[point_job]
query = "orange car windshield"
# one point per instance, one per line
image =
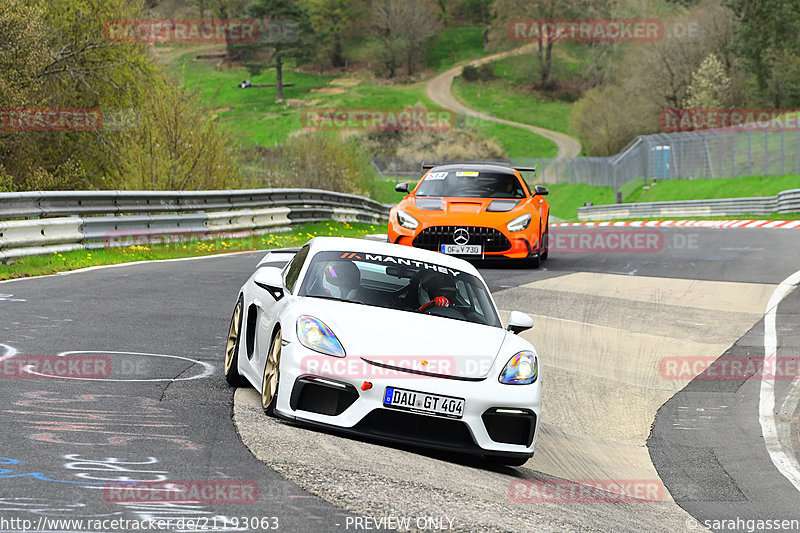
(471, 184)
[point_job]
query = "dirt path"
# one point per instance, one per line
(438, 90)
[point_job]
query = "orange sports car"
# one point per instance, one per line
(477, 210)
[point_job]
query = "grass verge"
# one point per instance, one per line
(771, 216)
(61, 262)
(508, 97)
(668, 190)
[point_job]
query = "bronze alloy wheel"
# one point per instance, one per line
(269, 385)
(232, 375)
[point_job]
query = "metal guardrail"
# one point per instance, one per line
(784, 202)
(34, 223)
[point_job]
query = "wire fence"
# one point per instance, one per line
(704, 154)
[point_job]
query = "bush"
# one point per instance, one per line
(171, 143)
(483, 72)
(314, 160)
(456, 143)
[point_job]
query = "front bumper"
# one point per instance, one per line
(523, 244)
(481, 430)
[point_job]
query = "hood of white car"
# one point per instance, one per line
(412, 341)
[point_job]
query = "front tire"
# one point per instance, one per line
(232, 375)
(269, 383)
(545, 240)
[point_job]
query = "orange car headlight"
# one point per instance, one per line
(406, 220)
(519, 223)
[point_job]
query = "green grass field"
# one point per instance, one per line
(253, 118)
(455, 44)
(667, 190)
(517, 142)
(566, 198)
(509, 97)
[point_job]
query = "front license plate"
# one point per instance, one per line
(461, 249)
(423, 402)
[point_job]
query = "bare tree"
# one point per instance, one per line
(656, 76)
(538, 15)
(402, 28)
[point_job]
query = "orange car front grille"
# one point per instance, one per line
(489, 238)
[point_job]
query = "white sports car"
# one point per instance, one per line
(387, 341)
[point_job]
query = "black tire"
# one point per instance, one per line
(231, 367)
(269, 382)
(545, 241)
(533, 261)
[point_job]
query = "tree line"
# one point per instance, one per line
(156, 135)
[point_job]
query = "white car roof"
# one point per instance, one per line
(319, 244)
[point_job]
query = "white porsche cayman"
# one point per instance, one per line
(387, 341)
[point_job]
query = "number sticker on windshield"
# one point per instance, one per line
(437, 176)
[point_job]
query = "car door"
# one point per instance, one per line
(269, 309)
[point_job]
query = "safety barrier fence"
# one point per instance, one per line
(35, 223)
(783, 202)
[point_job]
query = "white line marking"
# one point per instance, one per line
(10, 352)
(132, 263)
(785, 462)
(787, 409)
(208, 369)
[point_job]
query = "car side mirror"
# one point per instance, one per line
(541, 190)
(519, 322)
(401, 187)
(271, 280)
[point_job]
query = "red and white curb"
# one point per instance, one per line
(724, 224)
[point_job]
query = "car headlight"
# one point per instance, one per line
(521, 369)
(406, 220)
(519, 223)
(315, 335)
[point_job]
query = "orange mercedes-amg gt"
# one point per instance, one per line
(477, 210)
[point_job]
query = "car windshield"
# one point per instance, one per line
(471, 184)
(399, 283)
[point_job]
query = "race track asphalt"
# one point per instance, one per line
(604, 323)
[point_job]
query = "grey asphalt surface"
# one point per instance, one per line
(63, 440)
(181, 430)
(706, 441)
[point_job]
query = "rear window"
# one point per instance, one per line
(471, 184)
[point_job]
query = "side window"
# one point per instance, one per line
(293, 272)
(530, 191)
